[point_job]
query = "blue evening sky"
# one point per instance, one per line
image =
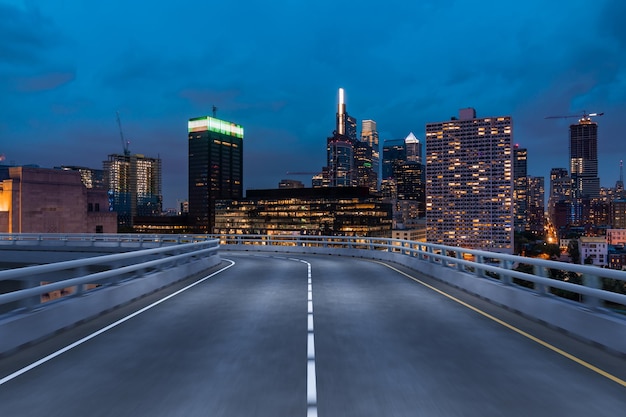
(67, 66)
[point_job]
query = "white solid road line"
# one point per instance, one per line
(311, 380)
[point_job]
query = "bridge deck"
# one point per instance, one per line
(242, 343)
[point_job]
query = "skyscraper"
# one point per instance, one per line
(215, 168)
(134, 187)
(404, 179)
(469, 185)
(583, 166)
(341, 154)
(346, 124)
(369, 135)
(520, 188)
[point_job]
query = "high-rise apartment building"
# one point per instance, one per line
(583, 167)
(134, 187)
(560, 197)
(215, 168)
(469, 182)
(520, 188)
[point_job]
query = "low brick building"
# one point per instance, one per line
(41, 200)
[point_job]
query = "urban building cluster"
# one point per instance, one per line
(468, 186)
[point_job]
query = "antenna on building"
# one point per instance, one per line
(620, 183)
(214, 111)
(125, 143)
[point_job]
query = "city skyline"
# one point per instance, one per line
(65, 75)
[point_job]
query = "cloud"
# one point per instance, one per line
(44, 82)
(25, 36)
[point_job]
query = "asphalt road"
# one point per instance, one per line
(245, 342)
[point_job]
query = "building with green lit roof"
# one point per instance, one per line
(215, 168)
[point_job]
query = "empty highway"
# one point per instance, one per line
(297, 335)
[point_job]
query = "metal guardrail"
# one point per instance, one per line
(110, 269)
(100, 239)
(584, 284)
(543, 278)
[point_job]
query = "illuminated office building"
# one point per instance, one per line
(341, 169)
(369, 135)
(328, 211)
(469, 182)
(350, 162)
(394, 153)
(134, 186)
(215, 168)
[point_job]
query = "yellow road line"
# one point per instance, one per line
(515, 329)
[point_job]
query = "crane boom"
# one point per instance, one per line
(125, 143)
(583, 116)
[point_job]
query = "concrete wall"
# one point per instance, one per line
(579, 320)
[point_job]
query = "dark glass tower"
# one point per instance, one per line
(583, 166)
(215, 168)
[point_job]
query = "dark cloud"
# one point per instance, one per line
(25, 35)
(43, 82)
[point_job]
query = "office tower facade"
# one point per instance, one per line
(215, 168)
(328, 211)
(394, 152)
(520, 188)
(469, 182)
(413, 149)
(366, 176)
(346, 124)
(404, 179)
(583, 167)
(369, 135)
(340, 158)
(134, 186)
(536, 219)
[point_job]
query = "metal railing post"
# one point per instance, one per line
(504, 277)
(592, 281)
(540, 271)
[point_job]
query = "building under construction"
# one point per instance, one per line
(134, 187)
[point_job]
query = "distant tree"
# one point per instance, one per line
(589, 260)
(572, 251)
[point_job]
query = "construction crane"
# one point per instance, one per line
(301, 173)
(125, 143)
(583, 117)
